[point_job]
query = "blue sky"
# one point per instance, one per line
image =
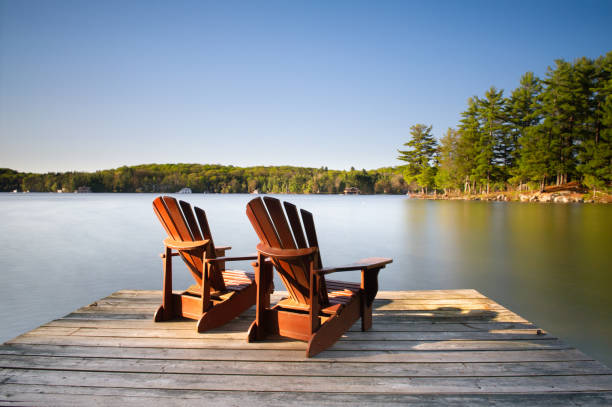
(87, 85)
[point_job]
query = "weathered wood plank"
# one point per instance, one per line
(460, 302)
(191, 333)
(331, 355)
(443, 347)
(457, 316)
(241, 324)
(211, 343)
(314, 368)
(387, 294)
(26, 395)
(374, 384)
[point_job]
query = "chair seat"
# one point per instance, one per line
(339, 293)
(235, 280)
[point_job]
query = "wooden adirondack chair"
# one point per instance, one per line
(317, 310)
(219, 295)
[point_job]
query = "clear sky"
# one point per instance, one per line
(87, 85)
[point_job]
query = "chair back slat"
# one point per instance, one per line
(190, 220)
(311, 233)
(217, 281)
(258, 215)
(280, 222)
(203, 221)
(164, 218)
(296, 226)
(178, 219)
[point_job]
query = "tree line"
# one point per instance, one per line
(548, 131)
(170, 178)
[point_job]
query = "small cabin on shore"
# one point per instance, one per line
(352, 191)
(184, 191)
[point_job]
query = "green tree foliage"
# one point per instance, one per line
(170, 178)
(523, 113)
(467, 144)
(553, 130)
(595, 154)
(492, 147)
(419, 156)
(449, 175)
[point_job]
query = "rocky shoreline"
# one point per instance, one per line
(544, 197)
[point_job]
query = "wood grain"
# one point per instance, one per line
(109, 355)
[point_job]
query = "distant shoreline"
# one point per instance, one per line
(542, 197)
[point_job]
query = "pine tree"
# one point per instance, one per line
(448, 175)
(494, 144)
(562, 109)
(523, 112)
(596, 146)
(419, 156)
(467, 149)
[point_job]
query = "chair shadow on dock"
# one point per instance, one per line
(438, 314)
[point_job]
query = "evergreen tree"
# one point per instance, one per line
(562, 108)
(523, 113)
(448, 175)
(494, 145)
(596, 146)
(419, 156)
(467, 149)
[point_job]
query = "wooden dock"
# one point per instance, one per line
(442, 347)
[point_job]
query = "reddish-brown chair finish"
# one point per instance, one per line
(219, 295)
(317, 310)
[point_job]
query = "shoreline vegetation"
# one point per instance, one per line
(547, 133)
(171, 178)
(549, 141)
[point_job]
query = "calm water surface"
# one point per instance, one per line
(549, 263)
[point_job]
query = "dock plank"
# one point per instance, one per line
(442, 347)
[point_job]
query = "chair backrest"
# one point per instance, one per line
(181, 224)
(285, 230)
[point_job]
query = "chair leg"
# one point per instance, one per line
(366, 313)
(369, 289)
(263, 280)
(225, 311)
(166, 310)
(334, 327)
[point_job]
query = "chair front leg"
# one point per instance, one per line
(166, 310)
(206, 275)
(263, 277)
(369, 289)
(315, 304)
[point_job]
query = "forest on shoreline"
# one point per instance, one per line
(170, 178)
(551, 131)
(548, 131)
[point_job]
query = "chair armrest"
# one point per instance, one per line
(220, 251)
(364, 264)
(285, 254)
(178, 245)
(233, 258)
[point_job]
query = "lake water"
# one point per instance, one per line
(550, 263)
